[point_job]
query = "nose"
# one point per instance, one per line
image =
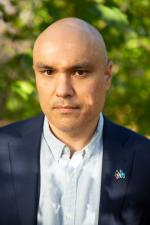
(64, 87)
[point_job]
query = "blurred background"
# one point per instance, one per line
(125, 26)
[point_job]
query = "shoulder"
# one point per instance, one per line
(124, 134)
(127, 142)
(18, 128)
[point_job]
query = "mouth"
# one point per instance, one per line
(66, 109)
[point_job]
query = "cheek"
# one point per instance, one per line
(43, 88)
(94, 95)
(43, 93)
(39, 84)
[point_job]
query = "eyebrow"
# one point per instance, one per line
(42, 66)
(76, 66)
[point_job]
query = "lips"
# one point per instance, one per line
(66, 108)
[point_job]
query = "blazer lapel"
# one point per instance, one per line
(116, 156)
(24, 156)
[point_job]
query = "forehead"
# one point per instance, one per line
(66, 48)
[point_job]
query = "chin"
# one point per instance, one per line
(66, 123)
(66, 127)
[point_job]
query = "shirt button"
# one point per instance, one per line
(68, 216)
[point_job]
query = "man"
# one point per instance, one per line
(70, 165)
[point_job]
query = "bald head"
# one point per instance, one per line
(73, 30)
(72, 75)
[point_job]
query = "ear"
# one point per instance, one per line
(108, 75)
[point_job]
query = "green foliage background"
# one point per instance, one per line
(125, 26)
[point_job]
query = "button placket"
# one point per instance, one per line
(72, 172)
(70, 197)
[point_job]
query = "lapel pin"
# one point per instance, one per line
(119, 174)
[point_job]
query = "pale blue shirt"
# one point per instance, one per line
(70, 188)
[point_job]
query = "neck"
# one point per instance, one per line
(75, 140)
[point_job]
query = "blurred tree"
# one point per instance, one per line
(125, 26)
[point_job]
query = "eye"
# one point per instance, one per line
(47, 72)
(81, 73)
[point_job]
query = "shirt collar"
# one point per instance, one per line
(95, 142)
(58, 148)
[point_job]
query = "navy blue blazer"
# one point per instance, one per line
(124, 201)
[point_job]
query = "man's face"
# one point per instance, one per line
(71, 81)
